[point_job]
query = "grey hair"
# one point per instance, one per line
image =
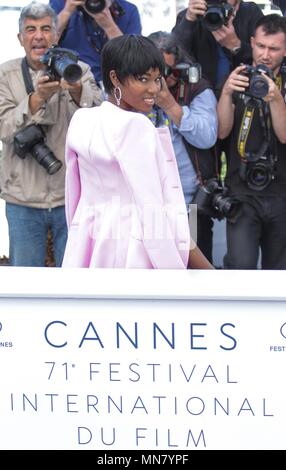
(36, 11)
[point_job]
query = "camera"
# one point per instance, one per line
(31, 140)
(211, 199)
(62, 63)
(217, 14)
(188, 73)
(95, 6)
(258, 174)
(258, 85)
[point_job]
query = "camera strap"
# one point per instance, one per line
(181, 95)
(251, 105)
(27, 76)
(28, 80)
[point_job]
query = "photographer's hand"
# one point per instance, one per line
(44, 89)
(236, 81)
(273, 92)
(105, 20)
(277, 108)
(74, 89)
(71, 5)
(167, 102)
(196, 8)
(67, 11)
(225, 108)
(226, 36)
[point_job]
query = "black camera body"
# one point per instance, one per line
(258, 85)
(31, 140)
(95, 6)
(187, 73)
(258, 173)
(62, 63)
(217, 14)
(211, 199)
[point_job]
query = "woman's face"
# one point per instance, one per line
(138, 94)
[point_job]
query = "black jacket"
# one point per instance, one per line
(255, 138)
(201, 45)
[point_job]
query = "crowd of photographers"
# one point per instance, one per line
(224, 79)
(86, 25)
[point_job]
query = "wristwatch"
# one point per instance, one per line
(235, 50)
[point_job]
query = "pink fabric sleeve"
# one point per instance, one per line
(72, 183)
(144, 163)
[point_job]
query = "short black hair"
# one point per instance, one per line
(272, 24)
(129, 55)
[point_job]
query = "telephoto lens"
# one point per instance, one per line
(31, 140)
(46, 158)
(68, 69)
(62, 63)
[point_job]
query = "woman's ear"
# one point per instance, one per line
(113, 78)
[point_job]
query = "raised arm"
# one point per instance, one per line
(225, 108)
(277, 108)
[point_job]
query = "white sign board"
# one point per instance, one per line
(148, 373)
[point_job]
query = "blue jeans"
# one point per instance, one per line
(28, 230)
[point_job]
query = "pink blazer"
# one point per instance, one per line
(124, 202)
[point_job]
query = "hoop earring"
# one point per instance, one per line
(117, 95)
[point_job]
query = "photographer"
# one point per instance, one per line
(220, 42)
(191, 112)
(87, 32)
(252, 115)
(34, 116)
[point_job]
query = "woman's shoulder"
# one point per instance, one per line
(83, 112)
(122, 118)
(83, 115)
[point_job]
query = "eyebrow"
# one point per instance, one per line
(35, 26)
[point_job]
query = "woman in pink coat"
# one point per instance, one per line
(124, 202)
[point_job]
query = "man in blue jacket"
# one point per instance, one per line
(87, 32)
(218, 46)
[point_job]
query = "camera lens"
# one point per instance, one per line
(259, 176)
(211, 200)
(214, 18)
(95, 6)
(68, 69)
(46, 158)
(181, 71)
(258, 86)
(227, 206)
